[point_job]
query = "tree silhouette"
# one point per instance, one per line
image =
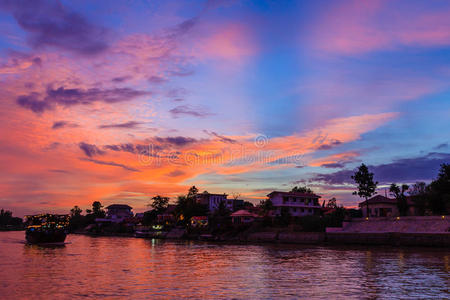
(75, 211)
(266, 206)
(159, 203)
(187, 206)
(301, 189)
(193, 191)
(440, 191)
(332, 203)
(366, 185)
(399, 194)
(97, 210)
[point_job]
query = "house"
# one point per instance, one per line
(381, 206)
(118, 211)
(168, 216)
(242, 217)
(297, 204)
(212, 201)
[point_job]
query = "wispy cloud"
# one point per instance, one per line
(74, 96)
(63, 124)
(187, 110)
(126, 125)
(110, 163)
(90, 149)
(220, 137)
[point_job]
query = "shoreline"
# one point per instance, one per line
(394, 239)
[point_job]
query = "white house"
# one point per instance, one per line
(297, 204)
(212, 201)
(118, 212)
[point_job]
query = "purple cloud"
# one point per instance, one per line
(330, 145)
(90, 149)
(334, 165)
(70, 97)
(33, 103)
(127, 125)
(182, 73)
(63, 124)
(182, 28)
(50, 23)
(189, 111)
(175, 173)
(441, 146)
(121, 79)
(405, 170)
(110, 163)
(59, 171)
(124, 147)
(175, 141)
(220, 137)
(177, 92)
(156, 79)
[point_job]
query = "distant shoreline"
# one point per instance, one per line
(435, 240)
(12, 229)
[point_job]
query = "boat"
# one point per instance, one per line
(46, 229)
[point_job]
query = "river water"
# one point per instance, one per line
(131, 268)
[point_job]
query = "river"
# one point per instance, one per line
(132, 268)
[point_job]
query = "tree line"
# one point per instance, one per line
(432, 198)
(7, 220)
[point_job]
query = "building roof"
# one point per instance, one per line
(210, 194)
(244, 213)
(119, 206)
(379, 199)
(294, 194)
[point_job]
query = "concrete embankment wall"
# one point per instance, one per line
(342, 238)
(418, 224)
(390, 238)
(403, 231)
(286, 237)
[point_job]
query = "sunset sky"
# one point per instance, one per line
(118, 101)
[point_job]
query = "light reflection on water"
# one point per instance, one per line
(113, 268)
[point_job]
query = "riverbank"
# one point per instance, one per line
(284, 236)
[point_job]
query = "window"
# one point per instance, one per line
(285, 199)
(310, 210)
(294, 199)
(302, 210)
(294, 209)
